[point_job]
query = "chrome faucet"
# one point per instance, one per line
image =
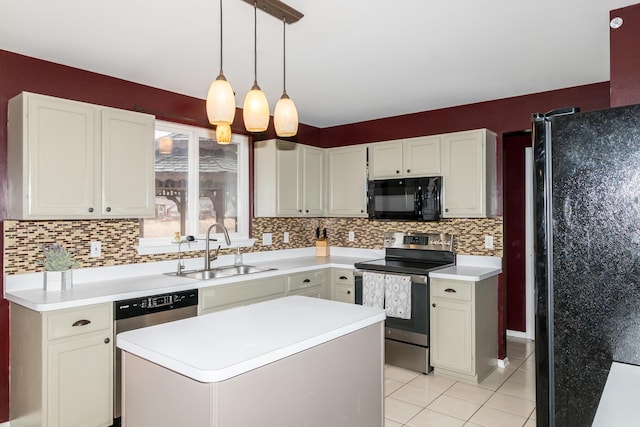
(180, 261)
(207, 255)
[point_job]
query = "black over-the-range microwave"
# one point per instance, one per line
(405, 199)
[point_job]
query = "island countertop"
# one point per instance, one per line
(221, 345)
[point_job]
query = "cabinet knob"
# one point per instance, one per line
(433, 305)
(446, 209)
(408, 170)
(397, 171)
(361, 210)
(108, 209)
(307, 211)
(348, 292)
(107, 340)
(300, 210)
(90, 210)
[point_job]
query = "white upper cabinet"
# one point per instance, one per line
(288, 179)
(347, 181)
(72, 160)
(406, 157)
(469, 174)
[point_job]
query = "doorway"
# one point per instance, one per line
(519, 298)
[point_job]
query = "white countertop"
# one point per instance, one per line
(470, 268)
(144, 280)
(221, 345)
(620, 402)
(107, 284)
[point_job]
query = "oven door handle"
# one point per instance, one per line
(414, 278)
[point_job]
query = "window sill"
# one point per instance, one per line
(154, 249)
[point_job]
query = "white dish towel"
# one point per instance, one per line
(397, 296)
(373, 289)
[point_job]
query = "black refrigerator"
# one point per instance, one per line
(587, 257)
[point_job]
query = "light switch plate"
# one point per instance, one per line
(352, 236)
(488, 242)
(267, 239)
(96, 249)
(286, 237)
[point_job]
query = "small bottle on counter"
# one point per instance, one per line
(176, 237)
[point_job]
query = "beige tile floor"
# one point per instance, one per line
(506, 398)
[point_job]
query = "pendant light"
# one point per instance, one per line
(285, 115)
(256, 107)
(223, 134)
(221, 101)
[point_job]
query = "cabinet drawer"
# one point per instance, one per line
(451, 289)
(343, 277)
(305, 280)
(79, 321)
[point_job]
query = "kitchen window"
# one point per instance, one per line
(198, 182)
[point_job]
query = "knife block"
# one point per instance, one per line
(322, 247)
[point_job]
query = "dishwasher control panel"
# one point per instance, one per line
(155, 303)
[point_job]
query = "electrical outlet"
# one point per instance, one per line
(352, 236)
(286, 237)
(96, 249)
(488, 242)
(267, 239)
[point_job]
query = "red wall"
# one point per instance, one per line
(625, 57)
(22, 73)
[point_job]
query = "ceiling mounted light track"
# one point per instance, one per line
(277, 9)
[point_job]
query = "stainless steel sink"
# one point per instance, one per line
(226, 271)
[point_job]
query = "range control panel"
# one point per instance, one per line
(415, 240)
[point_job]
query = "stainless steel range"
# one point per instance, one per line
(415, 255)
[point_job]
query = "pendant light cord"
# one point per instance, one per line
(220, 36)
(255, 43)
(284, 55)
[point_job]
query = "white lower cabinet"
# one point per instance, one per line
(311, 284)
(62, 367)
(464, 328)
(342, 285)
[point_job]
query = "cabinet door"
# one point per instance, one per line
(464, 184)
(61, 179)
(128, 161)
(386, 159)
(313, 181)
(79, 386)
(347, 170)
(422, 156)
(288, 179)
(451, 335)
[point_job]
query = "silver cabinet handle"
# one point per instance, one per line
(81, 322)
(450, 290)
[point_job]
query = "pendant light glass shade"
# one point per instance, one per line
(285, 117)
(223, 134)
(221, 101)
(255, 110)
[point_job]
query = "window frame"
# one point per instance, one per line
(240, 238)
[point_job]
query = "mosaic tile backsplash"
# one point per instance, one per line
(23, 239)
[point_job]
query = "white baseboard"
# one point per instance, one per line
(502, 363)
(515, 334)
(5, 424)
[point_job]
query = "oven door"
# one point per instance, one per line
(419, 322)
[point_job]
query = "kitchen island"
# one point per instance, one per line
(287, 362)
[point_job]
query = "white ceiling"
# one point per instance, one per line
(347, 60)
